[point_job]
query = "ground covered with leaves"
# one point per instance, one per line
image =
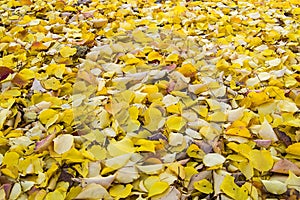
(149, 100)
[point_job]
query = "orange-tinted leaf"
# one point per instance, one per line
(38, 46)
(19, 80)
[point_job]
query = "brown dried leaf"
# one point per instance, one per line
(4, 72)
(283, 166)
(283, 137)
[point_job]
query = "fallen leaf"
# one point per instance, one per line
(5, 72)
(158, 188)
(213, 159)
(120, 191)
(203, 186)
(63, 143)
(67, 51)
(266, 131)
(261, 160)
(293, 149)
(284, 166)
(188, 70)
(239, 128)
(274, 186)
(282, 136)
(293, 181)
(232, 190)
(92, 191)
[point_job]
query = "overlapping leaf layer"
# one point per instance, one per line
(149, 99)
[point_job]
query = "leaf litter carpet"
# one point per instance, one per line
(149, 100)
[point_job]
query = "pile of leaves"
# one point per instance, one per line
(144, 99)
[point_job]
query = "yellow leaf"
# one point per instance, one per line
(52, 84)
(243, 149)
(290, 82)
(158, 188)
(172, 58)
(40, 195)
(153, 119)
(67, 51)
(48, 117)
(140, 36)
(203, 186)
(188, 70)
(239, 128)
(74, 191)
(258, 98)
(56, 69)
(10, 172)
(272, 36)
(293, 181)
(2, 193)
(189, 172)
(120, 191)
(217, 117)
(133, 112)
(177, 169)
(293, 149)
(195, 152)
(27, 74)
(154, 56)
(256, 41)
(175, 123)
(98, 152)
(148, 182)
(3, 115)
(145, 145)
(117, 161)
(55, 195)
(132, 60)
(72, 156)
(261, 160)
(121, 147)
(232, 190)
(296, 11)
(132, 125)
(11, 159)
(175, 108)
(150, 89)
(69, 8)
(247, 169)
(179, 9)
